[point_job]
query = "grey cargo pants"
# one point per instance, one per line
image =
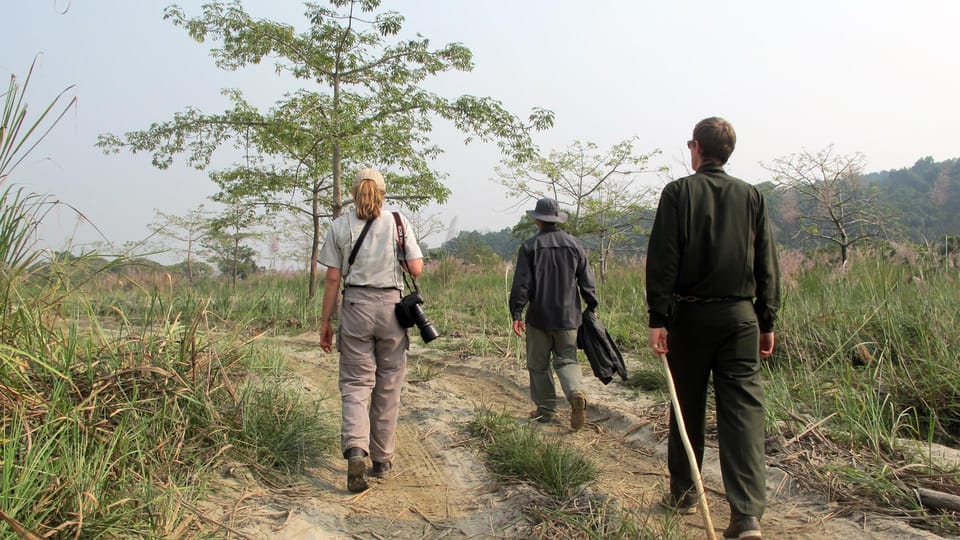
(373, 358)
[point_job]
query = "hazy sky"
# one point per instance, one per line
(872, 76)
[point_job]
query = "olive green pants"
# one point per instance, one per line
(723, 339)
(562, 345)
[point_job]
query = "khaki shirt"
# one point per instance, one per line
(377, 264)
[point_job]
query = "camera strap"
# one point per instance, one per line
(402, 250)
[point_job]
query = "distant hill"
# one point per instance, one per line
(926, 197)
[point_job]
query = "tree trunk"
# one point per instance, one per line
(236, 250)
(314, 248)
(189, 259)
(603, 259)
(938, 499)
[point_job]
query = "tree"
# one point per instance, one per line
(425, 225)
(188, 230)
(597, 188)
(471, 247)
(368, 106)
(226, 240)
(831, 201)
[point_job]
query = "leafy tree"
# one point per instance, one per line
(471, 247)
(597, 188)
(226, 241)
(188, 231)
(195, 270)
(366, 105)
(831, 199)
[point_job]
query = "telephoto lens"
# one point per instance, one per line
(427, 332)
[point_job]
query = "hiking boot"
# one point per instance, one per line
(381, 469)
(578, 410)
(356, 470)
(743, 528)
(541, 416)
(681, 505)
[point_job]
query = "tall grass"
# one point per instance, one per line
(111, 422)
(865, 358)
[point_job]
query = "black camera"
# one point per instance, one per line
(409, 313)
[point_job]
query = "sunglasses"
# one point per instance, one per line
(691, 142)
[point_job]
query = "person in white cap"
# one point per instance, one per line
(551, 268)
(372, 343)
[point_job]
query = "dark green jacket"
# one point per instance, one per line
(712, 240)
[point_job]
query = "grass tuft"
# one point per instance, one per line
(520, 452)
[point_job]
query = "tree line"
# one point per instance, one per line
(819, 200)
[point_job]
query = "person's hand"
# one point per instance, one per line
(657, 340)
(767, 340)
(326, 337)
(519, 328)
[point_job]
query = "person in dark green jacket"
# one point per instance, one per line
(713, 291)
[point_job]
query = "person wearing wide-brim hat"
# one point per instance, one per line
(548, 211)
(551, 276)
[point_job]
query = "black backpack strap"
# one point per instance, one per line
(356, 246)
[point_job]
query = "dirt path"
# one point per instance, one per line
(440, 487)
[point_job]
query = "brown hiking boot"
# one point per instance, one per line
(381, 469)
(578, 410)
(743, 528)
(356, 470)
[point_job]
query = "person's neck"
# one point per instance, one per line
(709, 164)
(547, 226)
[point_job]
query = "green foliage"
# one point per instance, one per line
(111, 431)
(472, 247)
(18, 136)
(361, 101)
(227, 238)
(596, 189)
(280, 428)
(926, 196)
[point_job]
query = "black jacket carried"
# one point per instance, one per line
(604, 356)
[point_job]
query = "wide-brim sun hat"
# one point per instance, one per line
(548, 210)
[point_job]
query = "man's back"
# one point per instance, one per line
(551, 267)
(713, 241)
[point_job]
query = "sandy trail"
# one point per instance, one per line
(441, 488)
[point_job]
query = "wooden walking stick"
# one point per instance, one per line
(691, 458)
